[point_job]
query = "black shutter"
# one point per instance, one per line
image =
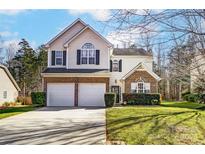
(53, 58)
(78, 57)
(110, 65)
(64, 58)
(120, 65)
(97, 57)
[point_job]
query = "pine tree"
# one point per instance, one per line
(25, 66)
(42, 64)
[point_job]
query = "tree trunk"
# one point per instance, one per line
(168, 89)
(180, 90)
(24, 89)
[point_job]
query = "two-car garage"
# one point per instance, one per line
(70, 94)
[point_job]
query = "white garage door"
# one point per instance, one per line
(91, 94)
(60, 94)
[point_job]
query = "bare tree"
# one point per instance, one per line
(10, 53)
(1, 50)
(181, 31)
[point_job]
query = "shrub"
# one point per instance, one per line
(202, 98)
(141, 99)
(24, 100)
(184, 95)
(192, 97)
(20, 99)
(9, 104)
(6, 104)
(38, 98)
(27, 101)
(12, 103)
(110, 99)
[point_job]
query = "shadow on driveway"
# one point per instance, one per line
(68, 126)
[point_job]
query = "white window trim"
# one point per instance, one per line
(61, 57)
(117, 63)
(143, 87)
(136, 84)
(87, 51)
(94, 56)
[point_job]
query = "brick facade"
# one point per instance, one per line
(145, 76)
(76, 80)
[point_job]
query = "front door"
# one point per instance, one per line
(116, 89)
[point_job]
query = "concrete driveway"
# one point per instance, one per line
(55, 125)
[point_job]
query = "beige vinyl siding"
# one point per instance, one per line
(7, 86)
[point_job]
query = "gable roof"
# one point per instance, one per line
(81, 31)
(143, 67)
(77, 34)
(64, 30)
(131, 52)
(10, 77)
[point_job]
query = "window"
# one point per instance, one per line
(59, 57)
(84, 57)
(115, 66)
(133, 87)
(147, 87)
(91, 56)
(5, 94)
(140, 87)
(88, 54)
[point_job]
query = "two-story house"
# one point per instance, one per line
(83, 65)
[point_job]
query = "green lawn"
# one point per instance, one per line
(170, 123)
(15, 110)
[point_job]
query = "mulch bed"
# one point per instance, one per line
(3, 107)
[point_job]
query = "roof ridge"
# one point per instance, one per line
(92, 29)
(64, 30)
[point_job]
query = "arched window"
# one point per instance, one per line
(88, 54)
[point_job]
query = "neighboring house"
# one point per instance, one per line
(8, 86)
(198, 73)
(82, 66)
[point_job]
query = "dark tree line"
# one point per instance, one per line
(26, 66)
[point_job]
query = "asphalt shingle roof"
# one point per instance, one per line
(64, 70)
(131, 51)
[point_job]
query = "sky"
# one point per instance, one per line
(39, 26)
